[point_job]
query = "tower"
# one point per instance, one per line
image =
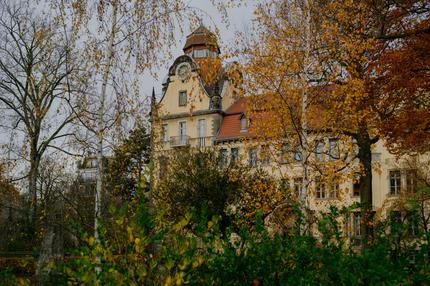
(202, 46)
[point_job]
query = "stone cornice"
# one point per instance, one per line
(188, 114)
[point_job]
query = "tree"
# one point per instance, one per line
(131, 37)
(197, 179)
(203, 181)
(126, 170)
(401, 66)
(38, 87)
(349, 40)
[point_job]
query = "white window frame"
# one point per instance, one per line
(320, 189)
(201, 128)
(182, 129)
(395, 182)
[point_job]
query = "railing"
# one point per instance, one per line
(201, 141)
(178, 141)
(185, 140)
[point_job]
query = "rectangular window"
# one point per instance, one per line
(201, 132)
(334, 190)
(182, 98)
(412, 219)
(243, 124)
(356, 224)
(165, 135)
(356, 189)
(320, 189)
(182, 132)
(411, 181)
(396, 221)
(252, 157)
(395, 182)
(199, 54)
(334, 153)
(224, 157)
(234, 155)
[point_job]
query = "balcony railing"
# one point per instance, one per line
(178, 141)
(202, 141)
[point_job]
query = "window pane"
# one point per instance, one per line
(200, 53)
(411, 181)
(356, 224)
(252, 157)
(182, 98)
(243, 123)
(224, 157)
(234, 154)
(320, 189)
(395, 182)
(356, 189)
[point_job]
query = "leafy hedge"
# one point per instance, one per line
(194, 251)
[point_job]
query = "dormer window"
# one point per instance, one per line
(243, 124)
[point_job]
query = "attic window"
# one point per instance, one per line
(243, 124)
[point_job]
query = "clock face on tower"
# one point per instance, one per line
(183, 71)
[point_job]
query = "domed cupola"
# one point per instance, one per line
(202, 44)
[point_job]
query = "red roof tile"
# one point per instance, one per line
(238, 107)
(230, 126)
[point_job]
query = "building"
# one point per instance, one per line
(200, 107)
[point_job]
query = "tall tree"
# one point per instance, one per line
(355, 91)
(37, 90)
(123, 39)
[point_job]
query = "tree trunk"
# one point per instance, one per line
(32, 182)
(365, 157)
(101, 123)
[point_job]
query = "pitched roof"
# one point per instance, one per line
(201, 36)
(238, 107)
(230, 126)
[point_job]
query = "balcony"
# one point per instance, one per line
(179, 141)
(182, 141)
(202, 141)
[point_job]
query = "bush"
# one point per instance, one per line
(194, 251)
